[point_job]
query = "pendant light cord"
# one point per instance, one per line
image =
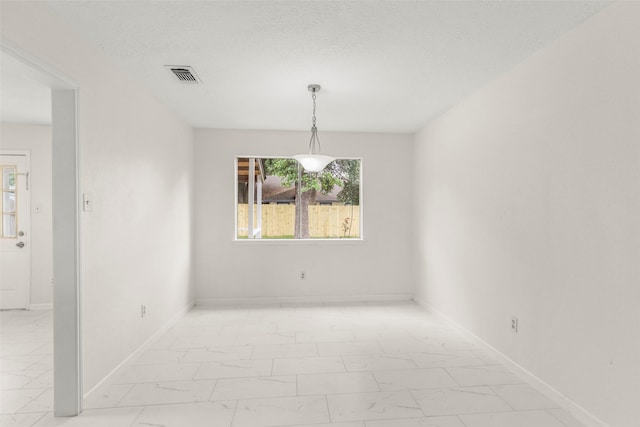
(314, 131)
(313, 121)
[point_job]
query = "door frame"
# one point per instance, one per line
(67, 339)
(27, 157)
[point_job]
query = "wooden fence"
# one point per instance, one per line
(325, 221)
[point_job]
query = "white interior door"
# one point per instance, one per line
(14, 233)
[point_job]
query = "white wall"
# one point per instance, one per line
(531, 207)
(380, 265)
(37, 141)
(136, 160)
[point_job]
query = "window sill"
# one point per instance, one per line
(285, 242)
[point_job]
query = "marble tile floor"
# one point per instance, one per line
(26, 366)
(341, 365)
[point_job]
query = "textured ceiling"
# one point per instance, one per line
(384, 66)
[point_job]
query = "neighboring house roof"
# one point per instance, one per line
(274, 191)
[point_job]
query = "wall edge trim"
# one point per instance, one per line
(215, 302)
(577, 411)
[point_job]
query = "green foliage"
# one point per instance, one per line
(286, 169)
(349, 174)
(337, 173)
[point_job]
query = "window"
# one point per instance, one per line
(286, 202)
(9, 199)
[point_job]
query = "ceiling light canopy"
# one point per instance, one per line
(314, 161)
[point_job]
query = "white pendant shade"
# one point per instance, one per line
(313, 162)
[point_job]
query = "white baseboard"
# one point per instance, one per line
(48, 306)
(577, 411)
(216, 302)
(145, 346)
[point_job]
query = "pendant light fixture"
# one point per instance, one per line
(314, 161)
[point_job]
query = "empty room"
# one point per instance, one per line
(320, 213)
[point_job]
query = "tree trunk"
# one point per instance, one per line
(302, 212)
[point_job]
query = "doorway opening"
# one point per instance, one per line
(67, 364)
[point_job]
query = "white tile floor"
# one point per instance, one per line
(361, 365)
(26, 366)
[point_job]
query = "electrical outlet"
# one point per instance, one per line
(514, 324)
(143, 311)
(303, 275)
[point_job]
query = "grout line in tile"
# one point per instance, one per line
(554, 417)
(117, 405)
(44, 414)
(235, 410)
(28, 403)
(131, 386)
(245, 321)
(215, 385)
(462, 421)
(451, 376)
(326, 402)
(416, 402)
(137, 416)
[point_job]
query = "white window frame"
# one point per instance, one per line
(278, 242)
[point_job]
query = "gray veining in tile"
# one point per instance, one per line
(522, 397)
(414, 379)
(509, 419)
(378, 362)
(343, 382)
(281, 411)
(451, 421)
(202, 414)
(483, 375)
(255, 387)
(313, 365)
(168, 392)
(235, 369)
(308, 365)
(372, 406)
(463, 400)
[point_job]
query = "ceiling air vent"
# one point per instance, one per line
(184, 74)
